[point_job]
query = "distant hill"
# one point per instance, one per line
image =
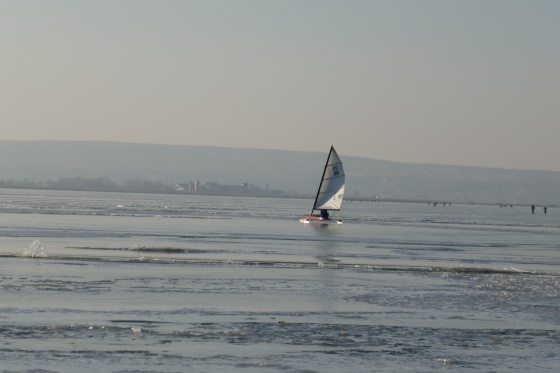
(292, 172)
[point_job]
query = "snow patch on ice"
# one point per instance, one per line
(35, 250)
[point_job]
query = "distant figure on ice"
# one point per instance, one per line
(545, 209)
(532, 209)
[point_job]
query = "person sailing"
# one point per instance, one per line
(324, 214)
(532, 209)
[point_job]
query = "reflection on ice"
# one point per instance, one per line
(35, 250)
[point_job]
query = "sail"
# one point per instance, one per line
(331, 189)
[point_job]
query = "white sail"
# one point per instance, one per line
(331, 189)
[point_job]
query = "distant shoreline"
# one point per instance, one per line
(108, 166)
(164, 192)
(277, 196)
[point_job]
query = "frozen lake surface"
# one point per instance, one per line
(169, 283)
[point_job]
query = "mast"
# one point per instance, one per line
(322, 179)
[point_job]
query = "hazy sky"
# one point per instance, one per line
(449, 82)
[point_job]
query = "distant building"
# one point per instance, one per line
(213, 187)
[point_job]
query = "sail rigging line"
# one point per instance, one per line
(322, 179)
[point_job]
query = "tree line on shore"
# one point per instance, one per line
(103, 184)
(90, 184)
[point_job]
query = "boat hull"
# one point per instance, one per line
(318, 220)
